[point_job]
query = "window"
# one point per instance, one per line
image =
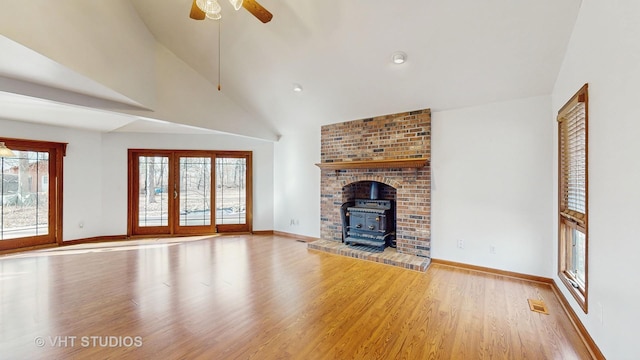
(31, 205)
(572, 196)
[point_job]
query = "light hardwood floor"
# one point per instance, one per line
(264, 297)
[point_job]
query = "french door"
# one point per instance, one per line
(178, 192)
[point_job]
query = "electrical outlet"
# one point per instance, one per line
(460, 243)
(492, 249)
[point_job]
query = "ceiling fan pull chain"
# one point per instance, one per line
(219, 27)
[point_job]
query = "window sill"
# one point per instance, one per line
(576, 292)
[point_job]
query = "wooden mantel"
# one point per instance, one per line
(375, 164)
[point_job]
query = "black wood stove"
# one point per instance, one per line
(369, 222)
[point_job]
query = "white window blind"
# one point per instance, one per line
(573, 163)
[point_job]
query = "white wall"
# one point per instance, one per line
(185, 97)
(123, 63)
(297, 182)
(127, 66)
(95, 173)
(490, 185)
(81, 176)
(604, 52)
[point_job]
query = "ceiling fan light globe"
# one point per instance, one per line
(237, 4)
(214, 16)
(209, 6)
(5, 151)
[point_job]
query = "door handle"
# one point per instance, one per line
(175, 194)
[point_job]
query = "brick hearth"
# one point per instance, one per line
(389, 256)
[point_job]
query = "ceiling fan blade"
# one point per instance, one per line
(196, 13)
(257, 10)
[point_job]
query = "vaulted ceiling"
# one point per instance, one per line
(65, 62)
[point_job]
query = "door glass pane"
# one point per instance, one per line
(154, 192)
(195, 191)
(25, 195)
(231, 183)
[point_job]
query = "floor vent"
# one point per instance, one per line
(538, 306)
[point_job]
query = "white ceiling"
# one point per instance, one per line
(460, 53)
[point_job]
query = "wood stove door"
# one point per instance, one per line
(375, 222)
(357, 220)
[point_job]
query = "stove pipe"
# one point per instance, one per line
(374, 190)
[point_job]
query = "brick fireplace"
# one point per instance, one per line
(393, 150)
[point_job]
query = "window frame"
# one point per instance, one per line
(570, 220)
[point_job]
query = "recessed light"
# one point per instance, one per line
(297, 88)
(398, 57)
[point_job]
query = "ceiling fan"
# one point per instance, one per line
(201, 9)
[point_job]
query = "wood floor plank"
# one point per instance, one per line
(265, 297)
